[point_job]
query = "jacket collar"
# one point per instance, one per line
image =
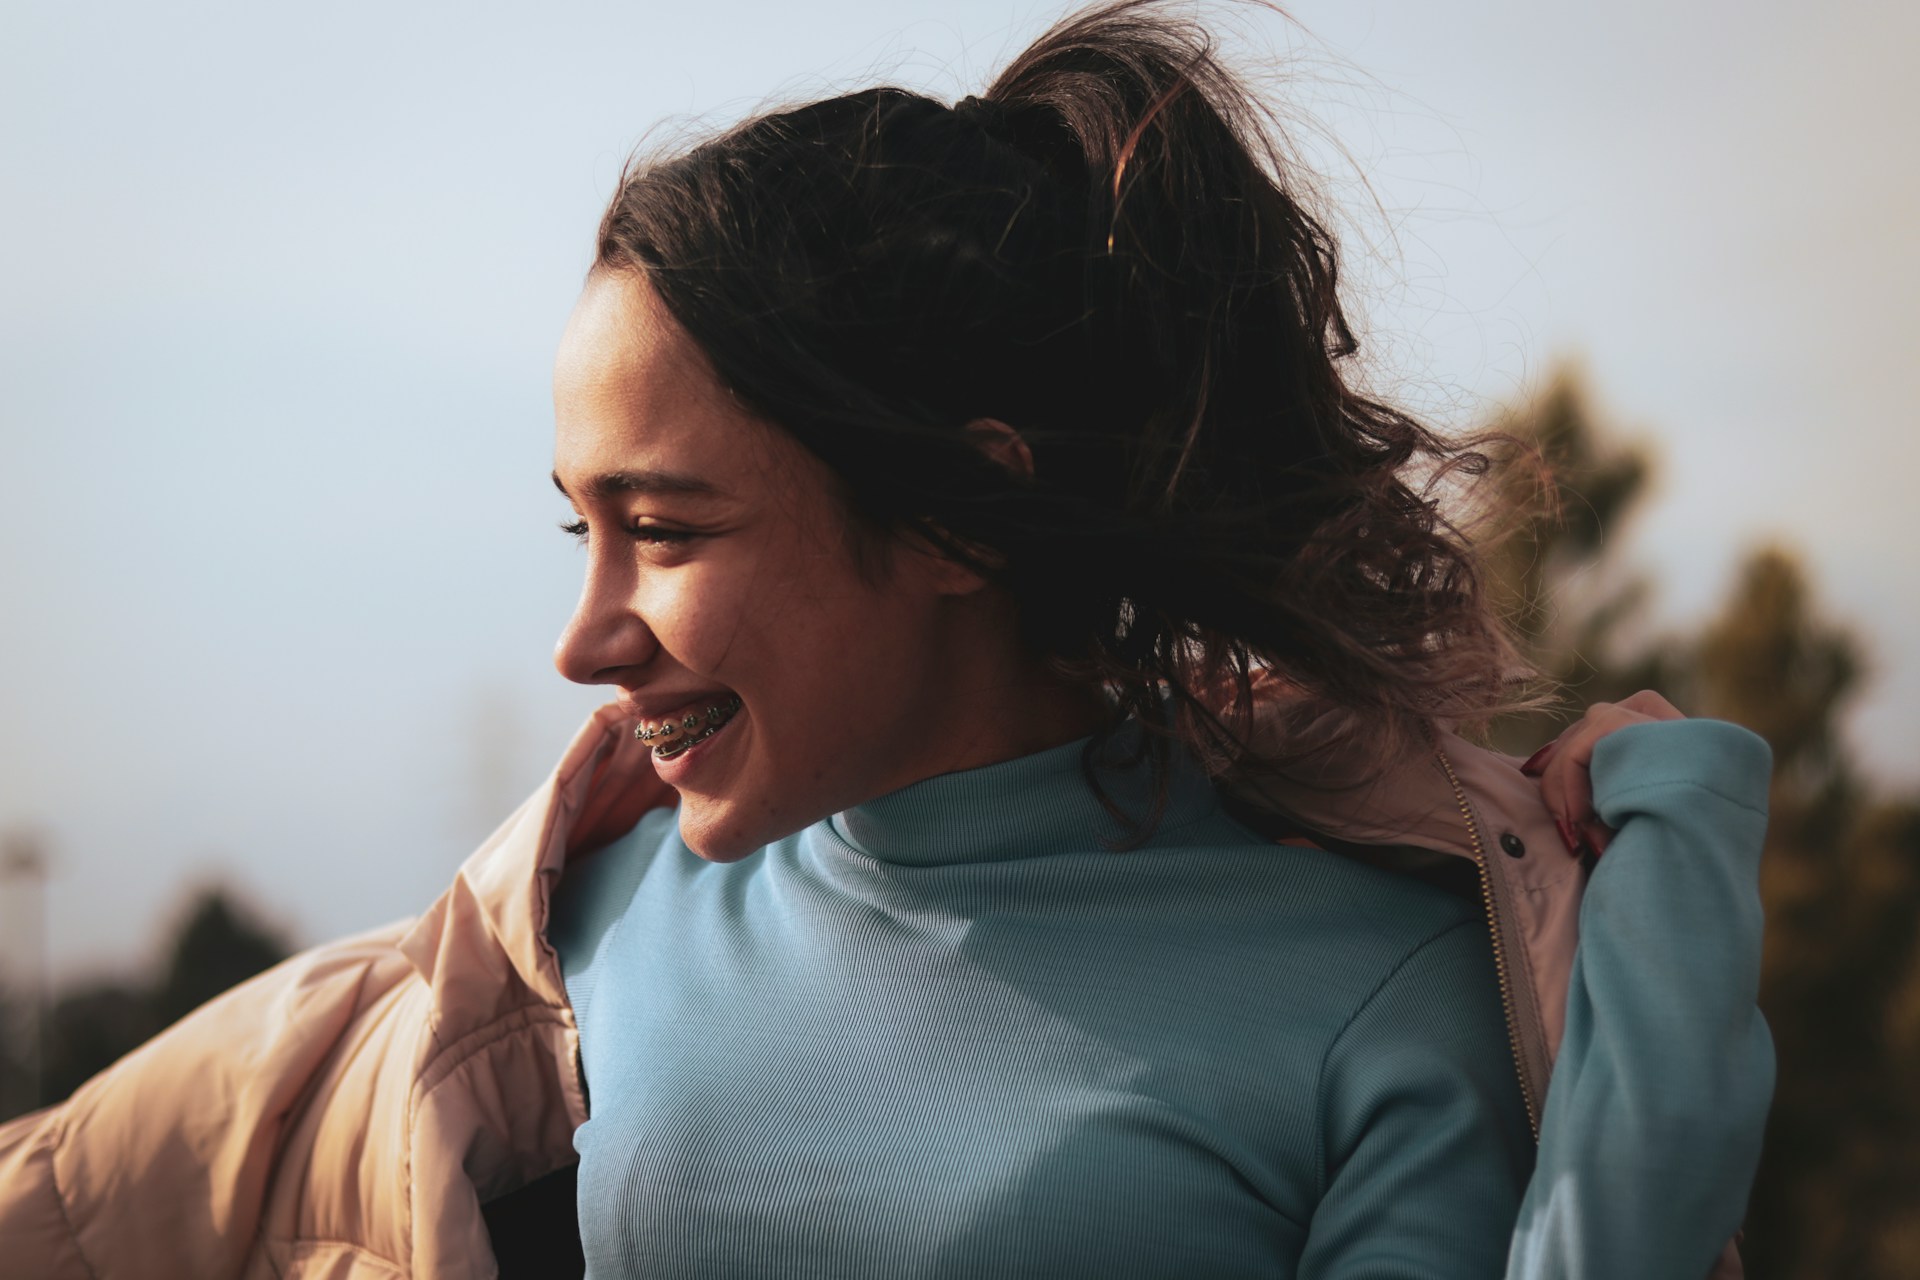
(1339, 790)
(602, 786)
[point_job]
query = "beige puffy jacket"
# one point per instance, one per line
(347, 1113)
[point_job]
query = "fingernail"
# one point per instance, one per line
(1567, 837)
(1532, 765)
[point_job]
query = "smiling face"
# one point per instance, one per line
(719, 575)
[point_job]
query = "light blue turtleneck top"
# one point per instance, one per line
(948, 1034)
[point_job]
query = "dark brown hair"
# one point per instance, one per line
(1107, 251)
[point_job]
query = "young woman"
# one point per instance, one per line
(1024, 841)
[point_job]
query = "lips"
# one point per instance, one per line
(652, 710)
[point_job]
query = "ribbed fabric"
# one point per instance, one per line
(948, 1034)
(1659, 1097)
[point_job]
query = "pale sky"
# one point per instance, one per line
(279, 291)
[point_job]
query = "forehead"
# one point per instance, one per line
(631, 392)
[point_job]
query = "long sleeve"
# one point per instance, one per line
(1654, 1116)
(1425, 1143)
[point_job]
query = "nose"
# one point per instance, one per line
(604, 636)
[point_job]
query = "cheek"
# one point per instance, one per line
(699, 614)
(828, 657)
(761, 616)
(852, 669)
(826, 663)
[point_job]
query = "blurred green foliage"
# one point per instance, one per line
(1838, 1192)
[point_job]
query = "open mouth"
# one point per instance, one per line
(675, 737)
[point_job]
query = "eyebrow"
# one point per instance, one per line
(649, 482)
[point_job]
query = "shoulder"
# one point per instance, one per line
(1317, 931)
(1384, 929)
(1350, 893)
(1311, 973)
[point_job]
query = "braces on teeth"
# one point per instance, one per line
(672, 737)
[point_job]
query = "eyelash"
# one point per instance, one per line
(644, 532)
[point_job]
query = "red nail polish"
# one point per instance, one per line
(1531, 767)
(1591, 843)
(1566, 836)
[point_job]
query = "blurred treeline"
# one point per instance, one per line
(1838, 1192)
(216, 944)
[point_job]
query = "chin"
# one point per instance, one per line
(712, 837)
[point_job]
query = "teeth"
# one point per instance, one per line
(680, 747)
(673, 737)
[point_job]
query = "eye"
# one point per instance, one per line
(654, 533)
(642, 532)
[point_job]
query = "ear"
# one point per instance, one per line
(1003, 444)
(937, 570)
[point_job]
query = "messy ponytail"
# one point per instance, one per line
(1107, 252)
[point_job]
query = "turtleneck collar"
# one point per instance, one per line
(1026, 807)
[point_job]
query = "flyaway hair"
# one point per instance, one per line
(1107, 251)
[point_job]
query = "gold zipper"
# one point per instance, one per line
(1493, 928)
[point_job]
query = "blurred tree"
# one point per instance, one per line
(1840, 1188)
(1838, 1192)
(89, 1029)
(19, 1071)
(23, 938)
(215, 946)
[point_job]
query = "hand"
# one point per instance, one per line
(1562, 766)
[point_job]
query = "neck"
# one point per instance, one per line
(1004, 719)
(997, 702)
